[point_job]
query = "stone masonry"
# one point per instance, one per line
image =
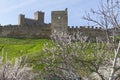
(37, 28)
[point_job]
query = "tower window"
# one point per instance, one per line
(59, 17)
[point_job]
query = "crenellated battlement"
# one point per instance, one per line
(86, 27)
(38, 19)
(37, 28)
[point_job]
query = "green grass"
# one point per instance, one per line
(20, 47)
(33, 49)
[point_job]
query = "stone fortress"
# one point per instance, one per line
(37, 28)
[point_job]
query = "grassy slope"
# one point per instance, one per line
(20, 47)
(33, 47)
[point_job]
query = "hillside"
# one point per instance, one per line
(20, 47)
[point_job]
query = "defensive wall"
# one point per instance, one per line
(37, 28)
(37, 21)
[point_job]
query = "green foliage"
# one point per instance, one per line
(117, 38)
(20, 47)
(46, 55)
(82, 57)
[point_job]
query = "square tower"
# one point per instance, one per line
(39, 16)
(59, 21)
(21, 19)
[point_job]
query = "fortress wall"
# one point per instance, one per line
(22, 21)
(42, 32)
(10, 31)
(38, 19)
(87, 27)
(45, 31)
(26, 31)
(36, 28)
(90, 32)
(20, 32)
(0, 30)
(6, 31)
(30, 22)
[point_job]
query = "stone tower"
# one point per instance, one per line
(39, 16)
(59, 21)
(21, 19)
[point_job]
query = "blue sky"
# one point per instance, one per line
(10, 9)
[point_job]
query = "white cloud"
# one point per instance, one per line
(17, 6)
